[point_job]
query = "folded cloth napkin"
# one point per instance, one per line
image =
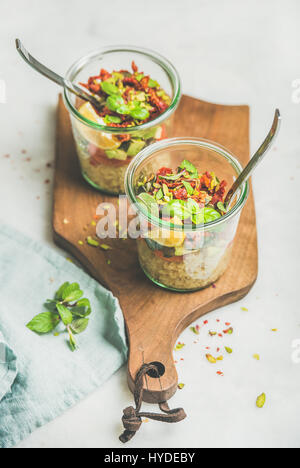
(41, 377)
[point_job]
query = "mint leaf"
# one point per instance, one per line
(114, 102)
(109, 88)
(82, 308)
(193, 206)
(210, 214)
(187, 165)
(61, 290)
(72, 293)
(140, 113)
(43, 323)
(112, 119)
(150, 203)
(79, 325)
(72, 342)
(65, 314)
(188, 188)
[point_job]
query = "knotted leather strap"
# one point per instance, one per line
(132, 417)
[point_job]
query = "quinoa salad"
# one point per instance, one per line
(184, 254)
(127, 100)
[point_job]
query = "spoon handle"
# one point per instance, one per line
(255, 160)
(52, 75)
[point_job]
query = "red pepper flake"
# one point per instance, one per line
(227, 324)
(208, 347)
(218, 320)
(220, 373)
(205, 322)
(220, 335)
(218, 349)
(182, 359)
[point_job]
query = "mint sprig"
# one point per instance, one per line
(69, 308)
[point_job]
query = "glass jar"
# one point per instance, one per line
(185, 257)
(102, 166)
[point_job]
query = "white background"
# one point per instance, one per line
(232, 52)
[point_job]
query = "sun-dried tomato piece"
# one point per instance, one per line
(104, 74)
(180, 194)
(163, 171)
(156, 101)
(134, 67)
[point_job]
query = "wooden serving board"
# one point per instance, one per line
(154, 317)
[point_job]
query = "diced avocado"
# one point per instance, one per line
(116, 154)
(135, 147)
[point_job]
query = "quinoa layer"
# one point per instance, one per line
(195, 270)
(108, 178)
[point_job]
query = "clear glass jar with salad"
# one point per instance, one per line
(178, 187)
(138, 92)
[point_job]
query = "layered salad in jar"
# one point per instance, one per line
(186, 253)
(127, 100)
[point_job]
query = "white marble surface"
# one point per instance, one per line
(228, 52)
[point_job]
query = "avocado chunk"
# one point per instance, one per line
(116, 154)
(135, 147)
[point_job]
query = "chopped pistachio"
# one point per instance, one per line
(261, 400)
(211, 359)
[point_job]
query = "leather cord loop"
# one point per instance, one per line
(132, 417)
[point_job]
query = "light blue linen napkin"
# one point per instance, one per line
(39, 376)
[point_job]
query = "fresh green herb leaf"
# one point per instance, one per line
(65, 314)
(210, 214)
(86, 305)
(79, 325)
(112, 119)
(123, 109)
(114, 102)
(73, 316)
(188, 187)
(150, 203)
(189, 167)
(139, 113)
(59, 294)
(109, 88)
(43, 323)
(72, 293)
(72, 342)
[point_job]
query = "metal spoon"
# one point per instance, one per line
(255, 160)
(78, 91)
